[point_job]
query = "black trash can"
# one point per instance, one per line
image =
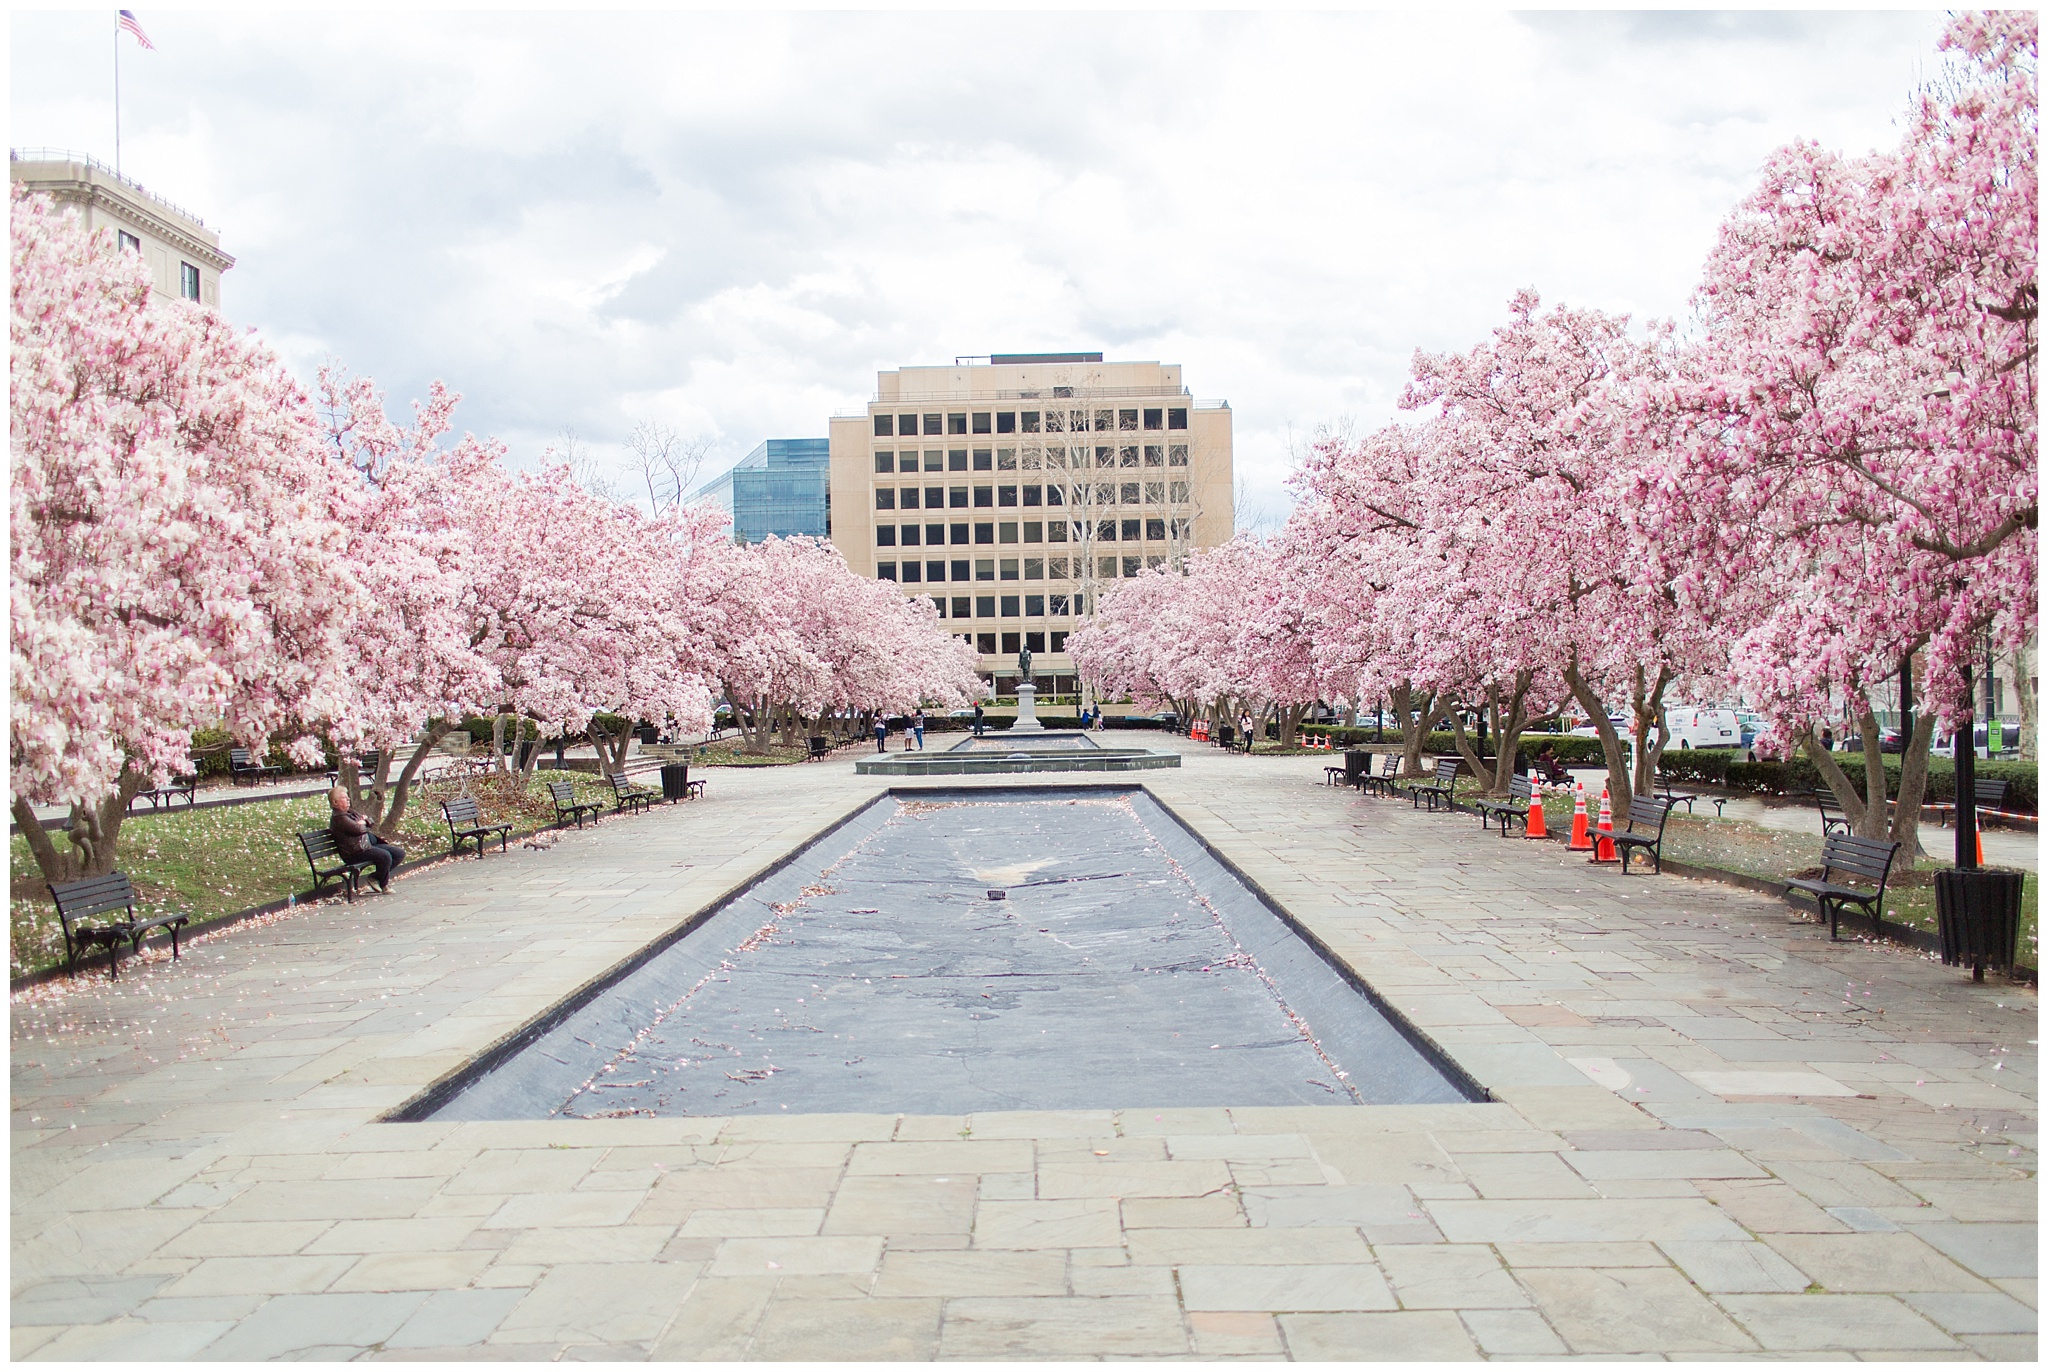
(649, 733)
(1356, 763)
(1977, 915)
(675, 780)
(1226, 736)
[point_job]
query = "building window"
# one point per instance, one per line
(984, 460)
(981, 422)
(1181, 528)
(1034, 495)
(959, 534)
(1133, 565)
(934, 571)
(1055, 421)
(1006, 496)
(910, 532)
(1155, 455)
(984, 533)
(985, 643)
(962, 570)
(934, 534)
(1035, 641)
(1180, 492)
(1105, 457)
(1105, 493)
(1034, 569)
(1011, 642)
(934, 424)
(1177, 455)
(1055, 495)
(1034, 608)
(956, 423)
(885, 427)
(1057, 569)
(885, 535)
(1033, 460)
(934, 460)
(1009, 569)
(1105, 420)
(939, 605)
(1130, 495)
(1006, 532)
(1059, 640)
(984, 607)
(1034, 532)
(956, 459)
(1058, 604)
(1176, 419)
(885, 498)
(127, 241)
(1155, 530)
(885, 462)
(963, 607)
(984, 497)
(1010, 607)
(1155, 493)
(1131, 530)
(984, 569)
(885, 571)
(1105, 530)
(909, 497)
(957, 497)
(1127, 457)
(1006, 421)
(1127, 419)
(1106, 569)
(1153, 564)
(1056, 532)
(935, 497)
(1154, 419)
(912, 571)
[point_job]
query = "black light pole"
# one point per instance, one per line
(1965, 748)
(1905, 703)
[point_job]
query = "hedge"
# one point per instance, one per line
(1565, 747)
(1726, 767)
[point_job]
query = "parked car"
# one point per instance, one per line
(1623, 725)
(1698, 726)
(1888, 741)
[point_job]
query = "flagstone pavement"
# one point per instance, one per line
(199, 1169)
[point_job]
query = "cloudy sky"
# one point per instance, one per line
(729, 222)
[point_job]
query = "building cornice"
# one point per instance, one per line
(88, 189)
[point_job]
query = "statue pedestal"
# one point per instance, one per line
(1027, 711)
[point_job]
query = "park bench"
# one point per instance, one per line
(241, 764)
(186, 786)
(323, 855)
(79, 901)
(466, 825)
(1652, 814)
(567, 807)
(630, 793)
(366, 766)
(1990, 796)
(1671, 797)
(1515, 807)
(820, 747)
(1381, 783)
(1845, 855)
(1832, 818)
(1442, 786)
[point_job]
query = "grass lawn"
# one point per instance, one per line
(220, 860)
(729, 753)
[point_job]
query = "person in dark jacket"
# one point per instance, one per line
(357, 841)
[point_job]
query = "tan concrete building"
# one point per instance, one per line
(184, 255)
(1011, 489)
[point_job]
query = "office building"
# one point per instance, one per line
(781, 488)
(1011, 489)
(184, 256)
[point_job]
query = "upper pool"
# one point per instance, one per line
(949, 952)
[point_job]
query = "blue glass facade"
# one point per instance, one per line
(782, 488)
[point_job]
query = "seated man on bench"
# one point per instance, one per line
(356, 841)
(1549, 768)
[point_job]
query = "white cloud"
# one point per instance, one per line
(731, 221)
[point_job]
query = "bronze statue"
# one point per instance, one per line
(1024, 667)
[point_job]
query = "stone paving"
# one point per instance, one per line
(1713, 1135)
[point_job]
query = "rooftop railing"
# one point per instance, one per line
(66, 155)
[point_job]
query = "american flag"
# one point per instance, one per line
(128, 23)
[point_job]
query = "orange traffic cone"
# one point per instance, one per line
(1605, 852)
(1532, 827)
(1980, 847)
(1582, 842)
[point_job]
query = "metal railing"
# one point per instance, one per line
(66, 155)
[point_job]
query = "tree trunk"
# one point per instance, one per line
(1290, 724)
(1611, 746)
(1838, 780)
(499, 760)
(1507, 728)
(1414, 711)
(611, 748)
(1652, 732)
(1913, 789)
(2023, 684)
(95, 833)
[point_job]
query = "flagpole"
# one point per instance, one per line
(117, 95)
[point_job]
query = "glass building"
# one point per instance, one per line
(781, 488)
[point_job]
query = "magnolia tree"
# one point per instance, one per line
(803, 635)
(178, 538)
(1857, 432)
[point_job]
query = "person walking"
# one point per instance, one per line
(977, 719)
(356, 841)
(881, 734)
(917, 727)
(1244, 727)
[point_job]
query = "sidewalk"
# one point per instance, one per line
(1713, 1133)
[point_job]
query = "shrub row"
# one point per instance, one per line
(1726, 767)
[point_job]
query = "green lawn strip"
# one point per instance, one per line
(221, 860)
(730, 753)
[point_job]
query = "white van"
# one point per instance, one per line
(1698, 726)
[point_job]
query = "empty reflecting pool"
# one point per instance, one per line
(948, 952)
